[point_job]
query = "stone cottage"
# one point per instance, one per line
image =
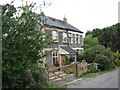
(68, 41)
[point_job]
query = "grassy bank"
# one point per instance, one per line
(87, 75)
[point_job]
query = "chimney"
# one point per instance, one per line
(26, 6)
(64, 19)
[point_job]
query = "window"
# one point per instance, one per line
(64, 37)
(55, 58)
(71, 37)
(54, 35)
(76, 38)
(79, 39)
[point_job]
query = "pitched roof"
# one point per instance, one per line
(68, 49)
(60, 24)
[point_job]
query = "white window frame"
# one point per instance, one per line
(54, 35)
(54, 55)
(64, 37)
(76, 38)
(71, 38)
(79, 39)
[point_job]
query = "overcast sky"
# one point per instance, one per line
(83, 14)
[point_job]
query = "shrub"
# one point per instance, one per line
(117, 62)
(66, 61)
(92, 68)
(91, 53)
(103, 61)
(35, 77)
(117, 55)
(80, 57)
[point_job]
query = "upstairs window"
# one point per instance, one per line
(79, 39)
(54, 35)
(64, 37)
(71, 37)
(76, 38)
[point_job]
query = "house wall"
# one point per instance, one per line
(56, 44)
(49, 58)
(60, 42)
(75, 45)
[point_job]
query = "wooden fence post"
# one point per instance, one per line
(76, 69)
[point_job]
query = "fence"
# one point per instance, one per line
(61, 73)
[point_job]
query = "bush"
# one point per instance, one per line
(117, 62)
(117, 55)
(35, 78)
(66, 61)
(103, 61)
(80, 57)
(91, 53)
(92, 68)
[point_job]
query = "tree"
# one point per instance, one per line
(99, 49)
(90, 41)
(109, 36)
(23, 44)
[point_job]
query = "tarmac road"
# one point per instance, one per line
(106, 80)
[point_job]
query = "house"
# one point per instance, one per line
(67, 42)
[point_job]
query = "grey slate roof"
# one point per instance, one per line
(68, 49)
(60, 24)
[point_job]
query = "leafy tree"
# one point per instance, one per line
(109, 36)
(23, 44)
(99, 49)
(90, 41)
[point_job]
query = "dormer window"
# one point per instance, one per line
(64, 37)
(55, 35)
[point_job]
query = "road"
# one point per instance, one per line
(106, 80)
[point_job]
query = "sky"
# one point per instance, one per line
(82, 14)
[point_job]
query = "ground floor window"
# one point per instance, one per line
(55, 59)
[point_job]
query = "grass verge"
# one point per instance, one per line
(87, 75)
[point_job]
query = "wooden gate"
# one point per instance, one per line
(61, 73)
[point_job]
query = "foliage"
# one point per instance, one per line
(109, 36)
(71, 59)
(90, 41)
(23, 45)
(66, 61)
(117, 55)
(99, 49)
(80, 57)
(35, 77)
(87, 75)
(117, 62)
(103, 61)
(92, 68)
